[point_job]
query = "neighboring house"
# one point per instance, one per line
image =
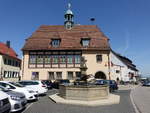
(122, 68)
(54, 52)
(9, 63)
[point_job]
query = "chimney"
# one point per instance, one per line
(8, 44)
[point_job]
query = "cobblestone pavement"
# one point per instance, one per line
(141, 98)
(45, 105)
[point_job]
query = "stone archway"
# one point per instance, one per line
(100, 75)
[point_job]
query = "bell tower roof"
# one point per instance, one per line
(69, 9)
(69, 23)
(69, 12)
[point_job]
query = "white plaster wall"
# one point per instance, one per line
(115, 60)
(125, 76)
(118, 65)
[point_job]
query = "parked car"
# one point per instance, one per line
(64, 81)
(29, 94)
(111, 83)
(101, 82)
(146, 83)
(56, 83)
(35, 84)
(17, 100)
(26, 86)
(48, 83)
(4, 103)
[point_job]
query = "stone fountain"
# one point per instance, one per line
(84, 93)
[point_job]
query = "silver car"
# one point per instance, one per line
(17, 100)
(4, 103)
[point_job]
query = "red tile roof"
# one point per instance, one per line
(5, 50)
(70, 39)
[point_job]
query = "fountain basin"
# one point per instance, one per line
(84, 93)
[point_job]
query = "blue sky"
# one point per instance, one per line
(125, 22)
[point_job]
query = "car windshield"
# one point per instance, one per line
(64, 81)
(111, 81)
(101, 81)
(46, 82)
(4, 89)
(17, 84)
(26, 83)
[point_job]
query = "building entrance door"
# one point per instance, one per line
(100, 75)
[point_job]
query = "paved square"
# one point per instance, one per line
(45, 105)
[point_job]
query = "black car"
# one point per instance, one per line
(48, 83)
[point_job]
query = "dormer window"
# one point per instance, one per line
(85, 42)
(55, 42)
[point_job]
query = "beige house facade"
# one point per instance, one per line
(9, 63)
(71, 71)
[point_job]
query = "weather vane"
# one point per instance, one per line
(69, 5)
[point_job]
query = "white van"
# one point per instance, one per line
(4, 103)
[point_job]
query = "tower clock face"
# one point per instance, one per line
(68, 25)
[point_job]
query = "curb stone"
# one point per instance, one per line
(136, 108)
